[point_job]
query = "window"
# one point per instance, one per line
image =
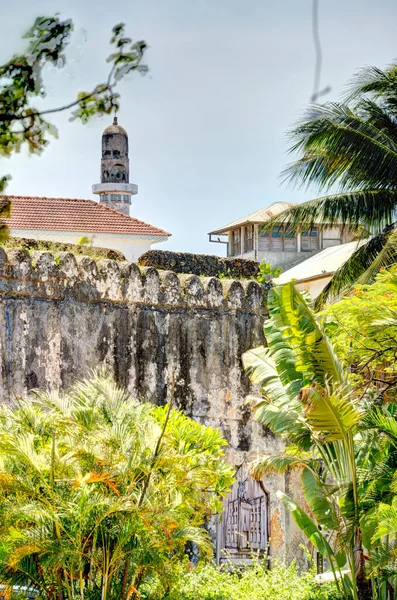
(248, 238)
(280, 239)
(310, 240)
(116, 153)
(236, 242)
(118, 173)
(288, 233)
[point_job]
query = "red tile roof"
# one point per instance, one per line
(74, 214)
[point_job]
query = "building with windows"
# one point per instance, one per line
(246, 238)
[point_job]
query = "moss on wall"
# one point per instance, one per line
(77, 249)
(200, 264)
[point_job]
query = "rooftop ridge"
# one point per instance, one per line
(57, 277)
(257, 216)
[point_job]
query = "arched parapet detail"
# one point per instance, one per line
(151, 286)
(193, 290)
(132, 281)
(45, 265)
(254, 295)
(213, 289)
(19, 263)
(170, 288)
(110, 283)
(88, 284)
(234, 294)
(56, 275)
(68, 267)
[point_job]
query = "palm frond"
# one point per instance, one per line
(330, 414)
(340, 147)
(306, 524)
(379, 116)
(261, 368)
(358, 210)
(275, 463)
(386, 257)
(375, 82)
(377, 419)
(386, 517)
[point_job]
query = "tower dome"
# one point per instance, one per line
(115, 190)
(115, 128)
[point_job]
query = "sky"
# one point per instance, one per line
(208, 125)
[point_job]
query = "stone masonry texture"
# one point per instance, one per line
(62, 316)
(200, 264)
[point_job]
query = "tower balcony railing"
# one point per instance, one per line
(115, 188)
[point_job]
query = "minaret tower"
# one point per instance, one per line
(115, 189)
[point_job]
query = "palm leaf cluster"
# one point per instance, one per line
(344, 446)
(98, 492)
(351, 146)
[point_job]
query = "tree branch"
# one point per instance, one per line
(12, 117)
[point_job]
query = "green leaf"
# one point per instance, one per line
(307, 525)
(309, 347)
(276, 463)
(331, 416)
(261, 368)
(316, 496)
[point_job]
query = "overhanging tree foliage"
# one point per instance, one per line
(363, 330)
(21, 82)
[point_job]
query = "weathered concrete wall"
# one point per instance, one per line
(63, 316)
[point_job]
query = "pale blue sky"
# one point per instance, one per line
(207, 125)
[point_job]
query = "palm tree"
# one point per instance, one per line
(351, 145)
(343, 445)
(99, 492)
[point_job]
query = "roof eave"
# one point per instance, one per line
(231, 227)
(306, 279)
(146, 236)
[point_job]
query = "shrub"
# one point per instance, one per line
(256, 582)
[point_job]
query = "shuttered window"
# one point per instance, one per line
(310, 240)
(281, 239)
(236, 242)
(248, 238)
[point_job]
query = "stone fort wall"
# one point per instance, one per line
(62, 316)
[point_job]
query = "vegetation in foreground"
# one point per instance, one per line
(344, 441)
(99, 492)
(255, 582)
